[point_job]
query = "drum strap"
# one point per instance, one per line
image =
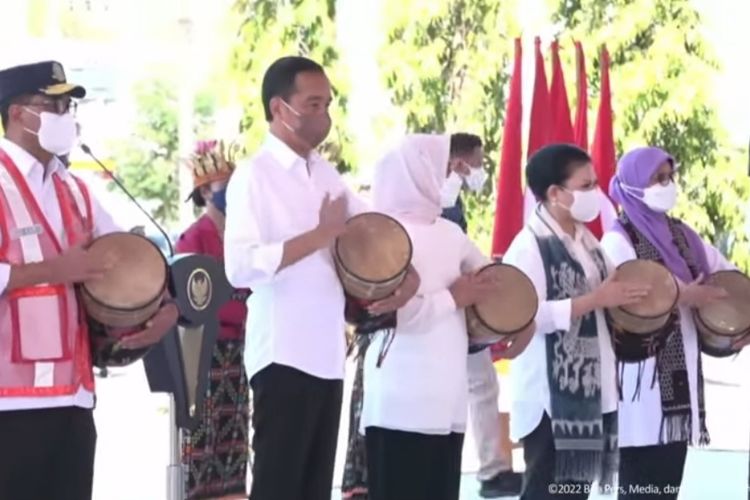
(671, 371)
(365, 324)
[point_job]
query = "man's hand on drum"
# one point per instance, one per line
(470, 289)
(158, 326)
(332, 217)
(77, 265)
(400, 297)
(696, 295)
(613, 293)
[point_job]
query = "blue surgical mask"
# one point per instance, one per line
(219, 199)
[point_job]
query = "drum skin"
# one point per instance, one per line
(373, 255)
(506, 312)
(723, 322)
(640, 330)
(130, 292)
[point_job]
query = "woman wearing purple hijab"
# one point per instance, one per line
(662, 408)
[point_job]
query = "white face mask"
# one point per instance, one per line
(450, 190)
(476, 179)
(586, 205)
(660, 198)
(57, 133)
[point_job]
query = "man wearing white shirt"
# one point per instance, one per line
(46, 217)
(285, 207)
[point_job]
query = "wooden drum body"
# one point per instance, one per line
(727, 320)
(641, 329)
(506, 312)
(372, 256)
(131, 292)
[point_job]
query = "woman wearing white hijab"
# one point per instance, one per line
(415, 402)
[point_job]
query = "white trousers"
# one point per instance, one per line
(484, 416)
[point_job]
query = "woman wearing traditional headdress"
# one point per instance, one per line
(216, 452)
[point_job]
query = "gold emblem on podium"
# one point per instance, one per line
(199, 289)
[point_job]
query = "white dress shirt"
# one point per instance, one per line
(530, 391)
(295, 315)
(640, 420)
(43, 189)
(421, 386)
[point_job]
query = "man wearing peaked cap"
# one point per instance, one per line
(47, 217)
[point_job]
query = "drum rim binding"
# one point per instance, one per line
(674, 303)
(700, 322)
(717, 352)
(697, 313)
(383, 281)
(533, 316)
(159, 296)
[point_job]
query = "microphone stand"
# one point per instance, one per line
(117, 181)
(175, 469)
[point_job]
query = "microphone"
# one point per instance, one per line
(87, 150)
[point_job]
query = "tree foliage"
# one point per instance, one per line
(147, 162)
(270, 29)
(661, 76)
(446, 64)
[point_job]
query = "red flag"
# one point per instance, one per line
(561, 126)
(603, 147)
(581, 131)
(539, 132)
(539, 119)
(509, 203)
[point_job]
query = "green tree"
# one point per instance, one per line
(446, 64)
(147, 163)
(661, 76)
(270, 29)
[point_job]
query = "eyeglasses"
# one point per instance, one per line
(60, 105)
(664, 178)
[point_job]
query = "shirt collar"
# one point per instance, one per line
(285, 155)
(26, 163)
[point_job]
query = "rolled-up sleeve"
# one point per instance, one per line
(552, 315)
(249, 260)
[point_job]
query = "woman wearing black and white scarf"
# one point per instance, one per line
(564, 385)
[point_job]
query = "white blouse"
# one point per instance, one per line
(639, 421)
(530, 393)
(421, 386)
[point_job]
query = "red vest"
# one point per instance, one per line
(44, 345)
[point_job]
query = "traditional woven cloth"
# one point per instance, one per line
(671, 370)
(585, 441)
(216, 453)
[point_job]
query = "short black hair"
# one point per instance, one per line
(280, 76)
(197, 198)
(552, 166)
(4, 114)
(463, 143)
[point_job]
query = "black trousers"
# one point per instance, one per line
(539, 479)
(649, 472)
(296, 425)
(412, 466)
(47, 453)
